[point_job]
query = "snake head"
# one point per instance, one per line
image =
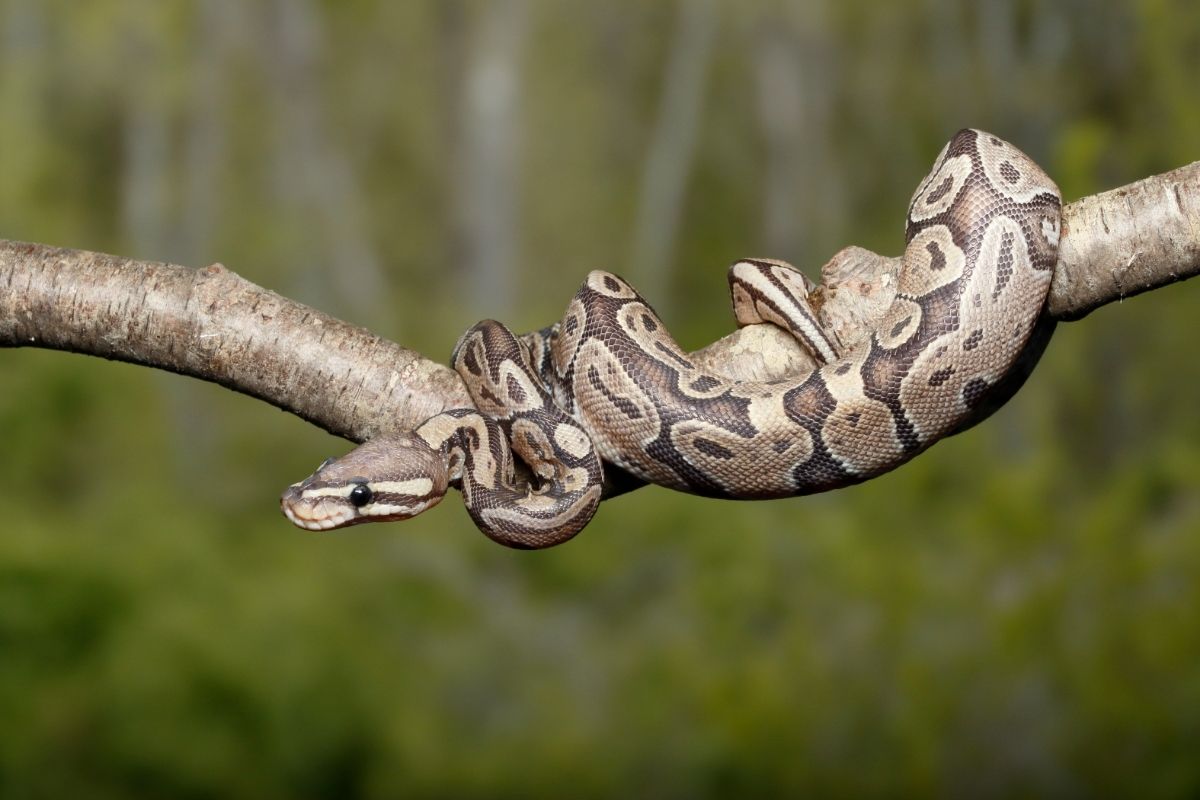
(388, 478)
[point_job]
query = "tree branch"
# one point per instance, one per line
(215, 325)
(1127, 241)
(212, 324)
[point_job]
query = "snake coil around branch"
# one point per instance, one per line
(954, 336)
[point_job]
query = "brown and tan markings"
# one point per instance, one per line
(609, 383)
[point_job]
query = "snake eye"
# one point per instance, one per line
(360, 495)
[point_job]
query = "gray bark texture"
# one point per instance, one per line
(215, 325)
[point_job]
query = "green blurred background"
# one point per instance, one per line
(1015, 613)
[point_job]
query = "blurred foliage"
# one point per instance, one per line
(1014, 613)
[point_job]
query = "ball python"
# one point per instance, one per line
(608, 383)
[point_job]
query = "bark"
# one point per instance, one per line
(1127, 241)
(214, 325)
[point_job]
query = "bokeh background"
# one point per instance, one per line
(1017, 612)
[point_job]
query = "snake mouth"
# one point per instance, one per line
(314, 516)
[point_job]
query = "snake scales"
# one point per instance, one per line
(609, 383)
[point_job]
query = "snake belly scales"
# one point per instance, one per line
(609, 383)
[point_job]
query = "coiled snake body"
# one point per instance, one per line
(609, 383)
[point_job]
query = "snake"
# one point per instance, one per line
(609, 387)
